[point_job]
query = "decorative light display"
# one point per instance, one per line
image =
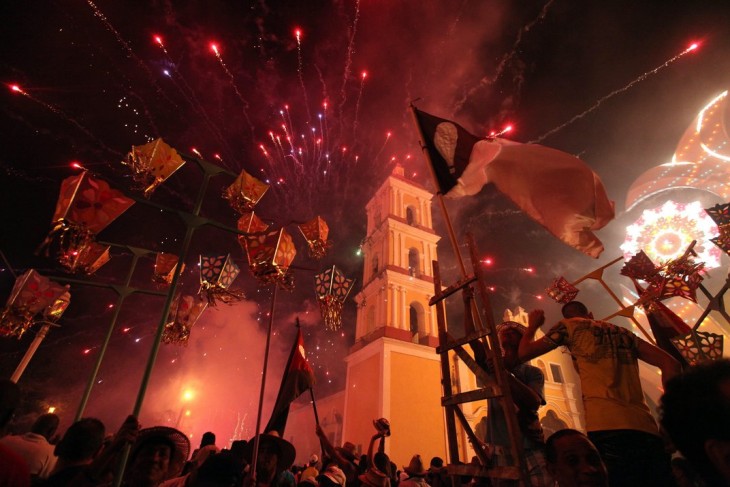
(721, 215)
(665, 232)
(332, 288)
(699, 346)
(217, 273)
(640, 267)
(165, 265)
(700, 160)
(152, 164)
(85, 207)
(270, 255)
(315, 232)
(183, 315)
(31, 294)
(245, 192)
(562, 291)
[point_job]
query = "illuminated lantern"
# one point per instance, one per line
(721, 215)
(562, 291)
(85, 207)
(270, 255)
(31, 294)
(165, 265)
(184, 313)
(315, 233)
(217, 273)
(665, 232)
(640, 266)
(332, 288)
(245, 192)
(250, 223)
(152, 164)
(699, 346)
(681, 277)
(88, 259)
(54, 312)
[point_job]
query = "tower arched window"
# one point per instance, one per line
(411, 216)
(414, 263)
(375, 264)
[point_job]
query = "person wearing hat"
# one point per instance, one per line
(526, 384)
(343, 456)
(416, 473)
(158, 455)
(333, 476)
(274, 457)
(310, 473)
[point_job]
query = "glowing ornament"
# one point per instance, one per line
(217, 273)
(85, 207)
(332, 289)
(165, 265)
(562, 291)
(315, 232)
(183, 315)
(699, 346)
(270, 255)
(152, 164)
(664, 232)
(250, 223)
(31, 294)
(681, 277)
(699, 162)
(245, 192)
(54, 312)
(721, 215)
(640, 267)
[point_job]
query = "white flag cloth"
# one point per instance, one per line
(554, 188)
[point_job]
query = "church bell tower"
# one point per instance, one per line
(393, 370)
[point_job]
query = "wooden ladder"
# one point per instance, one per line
(493, 385)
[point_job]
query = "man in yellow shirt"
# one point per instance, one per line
(618, 420)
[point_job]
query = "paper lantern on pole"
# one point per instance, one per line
(699, 346)
(85, 207)
(245, 192)
(332, 289)
(31, 294)
(164, 270)
(562, 291)
(681, 277)
(269, 256)
(152, 164)
(184, 313)
(217, 273)
(315, 232)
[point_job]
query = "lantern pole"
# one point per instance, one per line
(256, 439)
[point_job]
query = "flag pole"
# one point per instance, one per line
(449, 227)
(256, 439)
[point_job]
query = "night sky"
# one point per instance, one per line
(97, 82)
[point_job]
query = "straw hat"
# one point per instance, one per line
(512, 325)
(178, 442)
(348, 450)
(335, 474)
(286, 450)
(382, 425)
(415, 468)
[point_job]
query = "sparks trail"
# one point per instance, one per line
(190, 96)
(57, 111)
(300, 70)
(130, 53)
(363, 75)
(387, 138)
(506, 59)
(348, 61)
(214, 48)
(596, 105)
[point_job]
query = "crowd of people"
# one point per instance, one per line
(622, 446)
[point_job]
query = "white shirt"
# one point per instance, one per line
(35, 450)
